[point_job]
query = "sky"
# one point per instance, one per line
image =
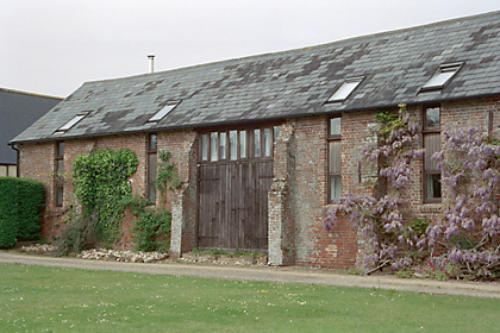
(54, 46)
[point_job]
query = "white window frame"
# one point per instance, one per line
(444, 74)
(163, 112)
(345, 89)
(72, 122)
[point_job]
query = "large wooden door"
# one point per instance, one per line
(234, 180)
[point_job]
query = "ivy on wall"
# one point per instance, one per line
(100, 183)
(167, 174)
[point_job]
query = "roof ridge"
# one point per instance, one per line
(314, 47)
(30, 93)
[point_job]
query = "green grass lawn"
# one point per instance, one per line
(40, 299)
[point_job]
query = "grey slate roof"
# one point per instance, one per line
(290, 84)
(18, 110)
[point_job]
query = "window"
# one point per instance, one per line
(204, 147)
(163, 112)
(59, 174)
(214, 156)
(443, 75)
(233, 142)
(276, 130)
(235, 145)
(267, 142)
(257, 144)
(151, 168)
(243, 144)
(68, 125)
(222, 145)
(12, 170)
(345, 90)
(335, 158)
(432, 144)
(8, 170)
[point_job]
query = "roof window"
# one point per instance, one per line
(443, 75)
(68, 125)
(163, 112)
(345, 90)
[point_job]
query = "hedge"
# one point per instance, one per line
(21, 203)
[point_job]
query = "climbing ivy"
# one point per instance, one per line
(167, 174)
(100, 185)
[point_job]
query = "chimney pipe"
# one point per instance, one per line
(151, 63)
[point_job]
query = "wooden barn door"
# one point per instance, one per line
(235, 174)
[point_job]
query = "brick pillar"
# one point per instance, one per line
(178, 219)
(369, 176)
(182, 200)
(280, 219)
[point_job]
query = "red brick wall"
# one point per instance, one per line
(36, 161)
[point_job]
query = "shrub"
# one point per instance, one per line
(152, 230)
(31, 203)
(9, 221)
(78, 235)
(21, 202)
(151, 227)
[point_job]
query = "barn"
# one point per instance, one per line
(264, 145)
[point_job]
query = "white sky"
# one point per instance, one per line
(53, 46)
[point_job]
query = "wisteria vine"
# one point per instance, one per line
(465, 241)
(467, 238)
(380, 217)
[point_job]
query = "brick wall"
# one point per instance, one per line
(36, 161)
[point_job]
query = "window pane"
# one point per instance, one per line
(152, 142)
(59, 196)
(3, 170)
(257, 147)
(432, 117)
(60, 167)
(71, 123)
(222, 146)
(441, 77)
(335, 126)
(214, 145)
(276, 131)
(12, 171)
(335, 157)
(152, 160)
(243, 144)
(60, 149)
(335, 189)
(432, 143)
(204, 147)
(152, 194)
(233, 145)
(162, 113)
(433, 186)
(344, 91)
(268, 142)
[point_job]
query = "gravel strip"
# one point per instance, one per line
(270, 274)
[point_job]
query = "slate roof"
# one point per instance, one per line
(290, 84)
(18, 110)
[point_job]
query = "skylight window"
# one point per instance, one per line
(345, 90)
(444, 74)
(163, 112)
(67, 126)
